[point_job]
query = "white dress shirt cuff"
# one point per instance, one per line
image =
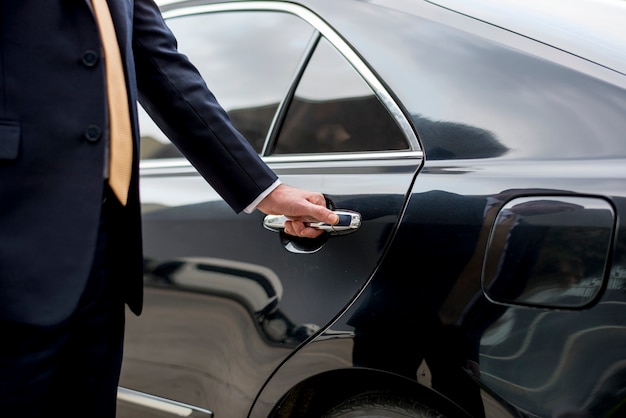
(252, 206)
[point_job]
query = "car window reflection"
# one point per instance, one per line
(247, 63)
(334, 110)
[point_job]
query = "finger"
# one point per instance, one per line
(319, 213)
(311, 233)
(294, 228)
(300, 229)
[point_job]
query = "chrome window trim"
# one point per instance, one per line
(180, 166)
(380, 156)
(322, 27)
(161, 405)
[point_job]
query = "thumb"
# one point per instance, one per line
(326, 215)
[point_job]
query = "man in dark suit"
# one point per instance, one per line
(70, 250)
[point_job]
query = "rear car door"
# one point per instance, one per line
(226, 299)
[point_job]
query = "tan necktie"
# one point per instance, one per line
(120, 136)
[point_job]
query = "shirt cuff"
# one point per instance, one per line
(252, 206)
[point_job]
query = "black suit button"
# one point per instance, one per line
(93, 133)
(90, 58)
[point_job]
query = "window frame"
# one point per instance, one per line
(343, 48)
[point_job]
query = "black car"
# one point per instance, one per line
(476, 150)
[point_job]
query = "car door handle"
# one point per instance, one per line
(349, 221)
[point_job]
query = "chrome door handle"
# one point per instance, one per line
(349, 221)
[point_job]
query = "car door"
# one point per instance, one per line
(227, 299)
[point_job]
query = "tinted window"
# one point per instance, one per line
(335, 110)
(248, 60)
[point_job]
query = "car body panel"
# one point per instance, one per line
(537, 358)
(571, 26)
(489, 270)
(298, 303)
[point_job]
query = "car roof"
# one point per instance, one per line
(590, 29)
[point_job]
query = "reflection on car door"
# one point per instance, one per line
(226, 302)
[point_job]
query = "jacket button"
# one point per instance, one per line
(90, 58)
(93, 133)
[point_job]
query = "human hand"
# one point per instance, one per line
(301, 207)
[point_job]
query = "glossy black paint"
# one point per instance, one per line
(489, 275)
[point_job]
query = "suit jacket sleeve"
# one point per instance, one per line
(174, 94)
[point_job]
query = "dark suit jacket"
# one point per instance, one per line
(53, 123)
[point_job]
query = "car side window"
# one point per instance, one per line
(335, 110)
(247, 58)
